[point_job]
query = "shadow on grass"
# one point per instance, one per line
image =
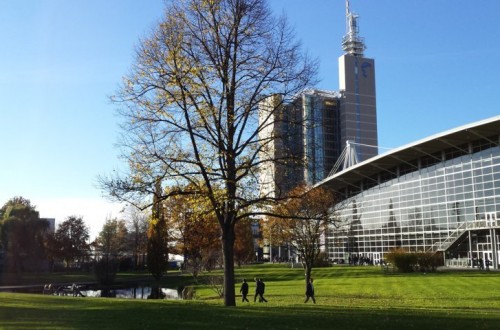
(74, 313)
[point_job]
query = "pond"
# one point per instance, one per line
(91, 290)
(131, 293)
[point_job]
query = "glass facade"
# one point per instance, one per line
(321, 134)
(313, 140)
(301, 137)
(448, 201)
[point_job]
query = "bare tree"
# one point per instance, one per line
(112, 239)
(137, 224)
(191, 108)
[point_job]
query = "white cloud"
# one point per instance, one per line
(94, 211)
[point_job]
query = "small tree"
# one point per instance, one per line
(157, 247)
(137, 226)
(112, 240)
(22, 235)
(302, 222)
(158, 237)
(71, 241)
(111, 243)
(195, 231)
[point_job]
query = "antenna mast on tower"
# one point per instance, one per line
(352, 43)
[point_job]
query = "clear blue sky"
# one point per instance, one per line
(437, 67)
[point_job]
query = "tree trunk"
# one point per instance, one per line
(308, 272)
(228, 256)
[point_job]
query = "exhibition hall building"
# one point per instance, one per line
(440, 194)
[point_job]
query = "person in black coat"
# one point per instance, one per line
(244, 291)
(262, 290)
(310, 291)
(259, 290)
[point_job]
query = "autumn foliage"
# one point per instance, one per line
(302, 221)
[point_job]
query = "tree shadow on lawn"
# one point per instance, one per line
(112, 314)
(283, 272)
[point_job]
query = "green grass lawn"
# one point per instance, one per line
(347, 298)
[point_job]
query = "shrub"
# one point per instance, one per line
(322, 260)
(126, 264)
(188, 293)
(403, 260)
(408, 262)
(215, 283)
(105, 271)
(428, 261)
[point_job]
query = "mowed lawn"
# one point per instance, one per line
(347, 298)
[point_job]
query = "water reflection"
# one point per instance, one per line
(131, 293)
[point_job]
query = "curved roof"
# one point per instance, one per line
(405, 154)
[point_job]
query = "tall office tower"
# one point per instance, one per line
(306, 136)
(302, 137)
(320, 131)
(358, 110)
(269, 146)
(281, 152)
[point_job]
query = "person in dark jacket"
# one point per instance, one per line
(244, 291)
(310, 291)
(262, 290)
(259, 290)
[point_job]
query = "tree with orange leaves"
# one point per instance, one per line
(302, 221)
(244, 248)
(195, 232)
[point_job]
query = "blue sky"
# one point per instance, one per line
(437, 68)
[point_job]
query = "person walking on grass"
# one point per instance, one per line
(310, 291)
(262, 290)
(259, 290)
(244, 291)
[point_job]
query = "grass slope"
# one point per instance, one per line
(347, 298)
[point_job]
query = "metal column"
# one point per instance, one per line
(494, 247)
(470, 249)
